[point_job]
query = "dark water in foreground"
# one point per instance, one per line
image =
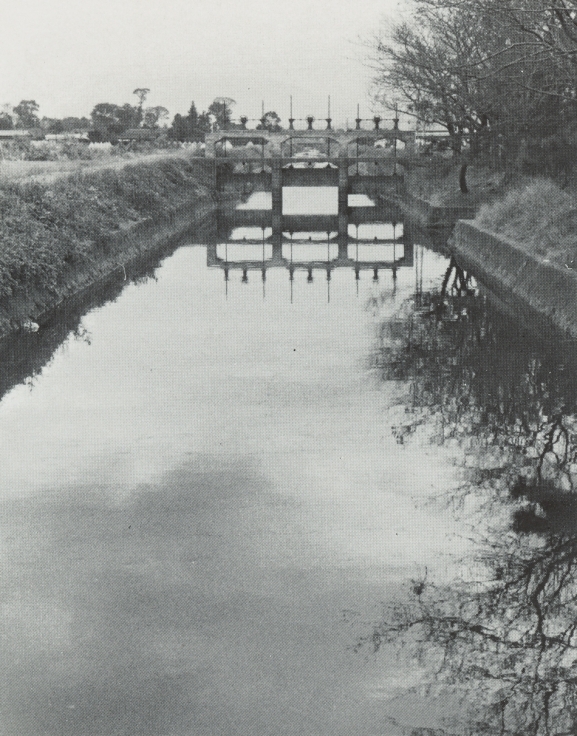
(210, 496)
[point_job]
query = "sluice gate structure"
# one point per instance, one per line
(353, 162)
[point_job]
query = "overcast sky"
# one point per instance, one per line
(69, 55)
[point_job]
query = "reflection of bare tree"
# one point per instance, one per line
(504, 645)
(461, 281)
(502, 640)
(478, 381)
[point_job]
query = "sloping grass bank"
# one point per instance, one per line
(534, 212)
(437, 182)
(540, 217)
(432, 196)
(59, 237)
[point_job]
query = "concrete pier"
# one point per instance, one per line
(276, 188)
(343, 198)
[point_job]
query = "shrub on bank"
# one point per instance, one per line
(437, 181)
(45, 229)
(540, 216)
(74, 150)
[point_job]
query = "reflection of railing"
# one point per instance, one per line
(281, 256)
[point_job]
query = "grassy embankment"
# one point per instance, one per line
(62, 225)
(539, 216)
(436, 180)
(536, 213)
(47, 172)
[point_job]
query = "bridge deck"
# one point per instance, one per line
(307, 241)
(314, 163)
(275, 140)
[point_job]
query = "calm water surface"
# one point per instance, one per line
(193, 494)
(204, 507)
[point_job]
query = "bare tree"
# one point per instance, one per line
(513, 78)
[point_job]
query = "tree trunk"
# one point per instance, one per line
(463, 179)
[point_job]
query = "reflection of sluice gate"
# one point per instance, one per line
(282, 224)
(307, 250)
(279, 258)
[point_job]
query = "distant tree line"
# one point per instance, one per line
(22, 116)
(106, 122)
(109, 121)
(194, 125)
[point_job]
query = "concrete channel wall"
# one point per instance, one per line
(523, 283)
(430, 215)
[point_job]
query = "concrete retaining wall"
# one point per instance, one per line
(547, 291)
(429, 215)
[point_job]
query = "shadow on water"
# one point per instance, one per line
(23, 355)
(500, 642)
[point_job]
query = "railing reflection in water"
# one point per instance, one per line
(369, 239)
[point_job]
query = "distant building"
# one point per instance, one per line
(82, 137)
(139, 134)
(34, 134)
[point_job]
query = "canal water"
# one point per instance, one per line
(214, 490)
